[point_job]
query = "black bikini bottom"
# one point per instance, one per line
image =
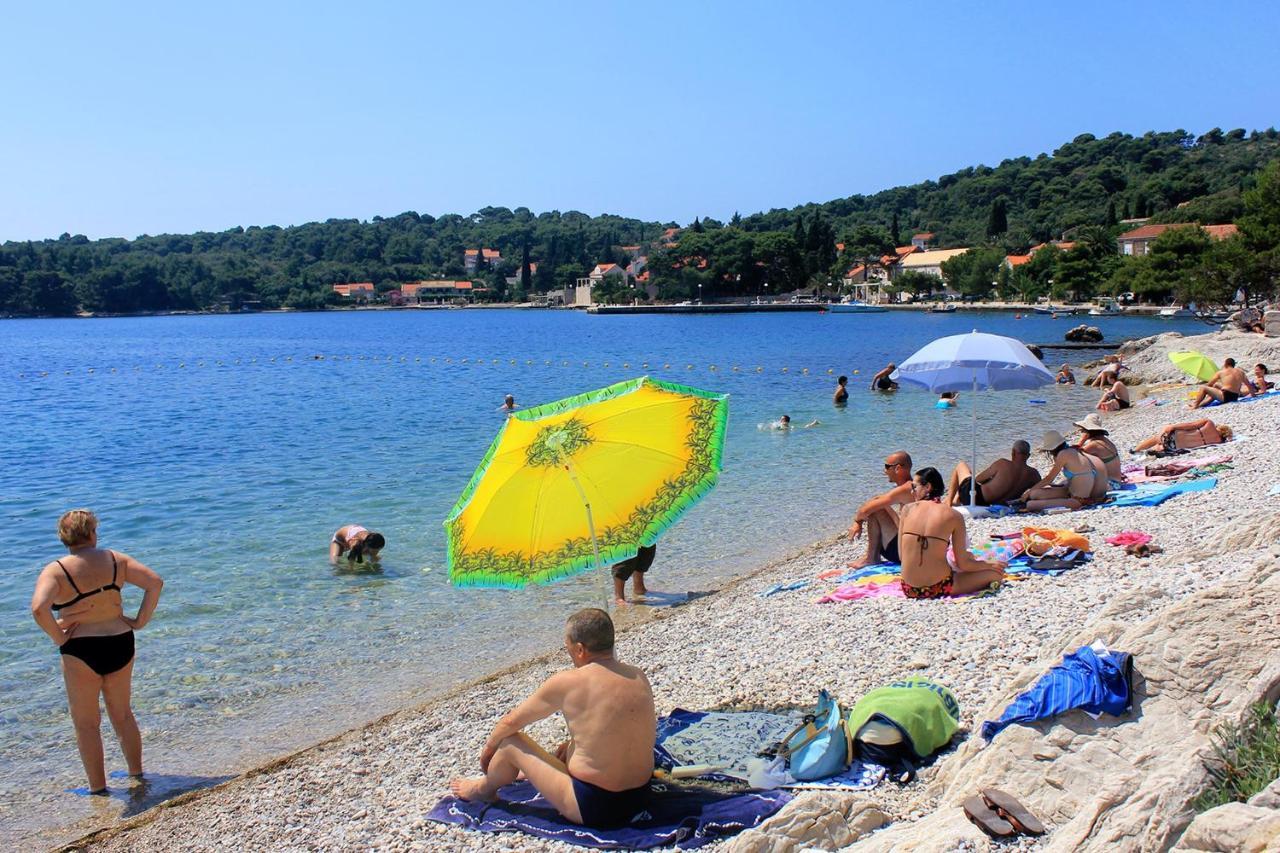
(103, 655)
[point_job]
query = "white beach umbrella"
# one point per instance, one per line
(972, 362)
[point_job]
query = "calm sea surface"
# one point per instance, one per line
(224, 450)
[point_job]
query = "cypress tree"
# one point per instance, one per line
(894, 231)
(997, 219)
(526, 276)
(1110, 218)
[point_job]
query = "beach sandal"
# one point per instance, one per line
(1140, 551)
(986, 819)
(1012, 811)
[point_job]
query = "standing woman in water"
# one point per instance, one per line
(94, 637)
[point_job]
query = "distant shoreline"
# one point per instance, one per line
(664, 308)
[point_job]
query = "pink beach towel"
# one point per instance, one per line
(858, 591)
(1125, 538)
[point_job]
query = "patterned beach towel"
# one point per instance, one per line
(731, 739)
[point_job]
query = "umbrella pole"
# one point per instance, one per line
(591, 526)
(973, 470)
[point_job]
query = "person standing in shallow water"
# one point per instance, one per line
(841, 395)
(94, 637)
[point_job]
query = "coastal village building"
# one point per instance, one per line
(582, 289)
(436, 292)
(358, 291)
(514, 280)
(923, 240)
(929, 262)
(470, 257)
(1139, 240)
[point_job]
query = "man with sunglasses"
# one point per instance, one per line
(879, 517)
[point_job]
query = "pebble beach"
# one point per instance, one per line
(371, 787)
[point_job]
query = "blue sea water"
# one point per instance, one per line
(223, 451)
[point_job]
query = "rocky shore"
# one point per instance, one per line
(1201, 619)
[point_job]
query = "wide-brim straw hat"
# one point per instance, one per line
(1051, 441)
(1091, 423)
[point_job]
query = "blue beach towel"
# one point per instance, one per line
(1250, 399)
(1154, 494)
(685, 817)
(1095, 681)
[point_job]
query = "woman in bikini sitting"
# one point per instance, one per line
(1094, 441)
(1085, 477)
(1187, 436)
(94, 637)
(927, 528)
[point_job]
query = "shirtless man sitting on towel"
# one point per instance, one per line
(1227, 385)
(600, 776)
(1003, 480)
(878, 515)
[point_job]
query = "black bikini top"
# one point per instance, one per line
(80, 596)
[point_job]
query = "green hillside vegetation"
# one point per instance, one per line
(1082, 190)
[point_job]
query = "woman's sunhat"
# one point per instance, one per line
(1051, 441)
(1091, 423)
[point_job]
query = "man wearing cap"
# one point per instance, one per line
(1094, 441)
(1002, 481)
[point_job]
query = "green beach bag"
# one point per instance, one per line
(923, 713)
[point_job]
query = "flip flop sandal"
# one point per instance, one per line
(1012, 811)
(982, 816)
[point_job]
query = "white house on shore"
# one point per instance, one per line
(929, 263)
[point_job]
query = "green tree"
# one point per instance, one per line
(998, 218)
(895, 232)
(863, 245)
(920, 284)
(1260, 224)
(48, 293)
(974, 272)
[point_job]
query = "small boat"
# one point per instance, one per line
(1175, 312)
(945, 308)
(1053, 310)
(1106, 308)
(854, 307)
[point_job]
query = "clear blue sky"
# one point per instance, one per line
(124, 119)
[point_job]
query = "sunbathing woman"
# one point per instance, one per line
(94, 637)
(1186, 436)
(1094, 441)
(927, 528)
(1084, 477)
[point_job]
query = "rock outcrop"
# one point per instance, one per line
(1084, 334)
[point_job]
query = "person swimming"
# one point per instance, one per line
(946, 400)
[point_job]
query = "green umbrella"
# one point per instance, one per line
(1195, 364)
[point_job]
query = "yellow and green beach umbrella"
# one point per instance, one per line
(585, 481)
(1195, 364)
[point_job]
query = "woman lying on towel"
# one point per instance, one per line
(927, 528)
(1084, 477)
(1186, 436)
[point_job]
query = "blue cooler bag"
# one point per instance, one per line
(819, 747)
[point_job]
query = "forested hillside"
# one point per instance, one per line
(1087, 182)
